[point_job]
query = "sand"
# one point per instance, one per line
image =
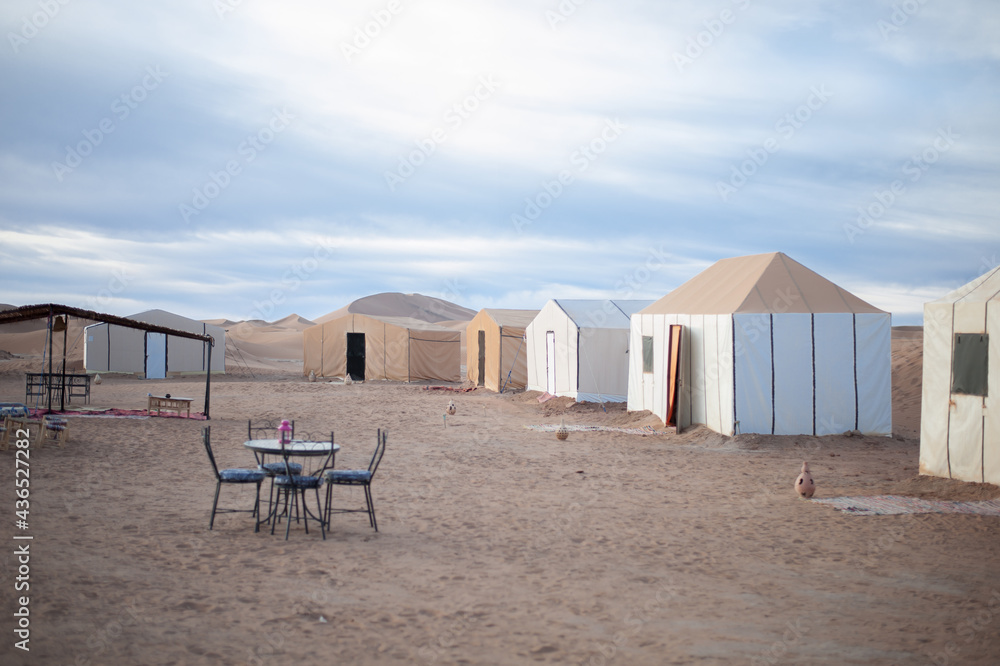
(497, 544)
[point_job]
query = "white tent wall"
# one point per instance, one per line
(603, 365)
(836, 392)
(552, 318)
(752, 337)
(111, 348)
(936, 390)
(708, 358)
(824, 373)
(873, 363)
(991, 404)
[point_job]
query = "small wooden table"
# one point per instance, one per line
(171, 404)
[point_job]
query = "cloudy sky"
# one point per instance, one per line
(251, 159)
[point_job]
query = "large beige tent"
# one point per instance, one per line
(496, 350)
(377, 347)
(114, 348)
(762, 344)
(959, 419)
(579, 348)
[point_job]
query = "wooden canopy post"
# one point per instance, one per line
(208, 379)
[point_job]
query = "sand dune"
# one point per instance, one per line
(394, 304)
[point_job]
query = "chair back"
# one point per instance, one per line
(206, 438)
(382, 436)
(266, 429)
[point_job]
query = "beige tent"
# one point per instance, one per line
(762, 344)
(375, 347)
(114, 348)
(496, 351)
(959, 417)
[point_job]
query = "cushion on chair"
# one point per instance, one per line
(298, 481)
(279, 467)
(241, 475)
(348, 476)
(54, 426)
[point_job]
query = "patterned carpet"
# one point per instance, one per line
(893, 505)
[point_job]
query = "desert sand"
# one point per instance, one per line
(497, 544)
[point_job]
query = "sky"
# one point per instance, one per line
(246, 159)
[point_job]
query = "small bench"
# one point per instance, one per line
(171, 404)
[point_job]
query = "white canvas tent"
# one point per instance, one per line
(762, 344)
(376, 347)
(959, 417)
(114, 348)
(579, 348)
(497, 355)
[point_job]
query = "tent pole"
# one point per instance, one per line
(48, 380)
(515, 359)
(208, 381)
(62, 395)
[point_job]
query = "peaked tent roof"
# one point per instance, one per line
(759, 283)
(596, 313)
(984, 288)
(514, 318)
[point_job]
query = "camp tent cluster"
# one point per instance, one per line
(370, 347)
(959, 419)
(115, 348)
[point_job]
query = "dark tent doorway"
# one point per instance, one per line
(356, 356)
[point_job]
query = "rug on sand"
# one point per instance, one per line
(894, 505)
(644, 430)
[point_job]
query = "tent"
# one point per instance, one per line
(377, 347)
(959, 420)
(114, 348)
(579, 348)
(496, 351)
(762, 344)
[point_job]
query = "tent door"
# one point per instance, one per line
(678, 392)
(356, 356)
(550, 362)
(156, 356)
(482, 358)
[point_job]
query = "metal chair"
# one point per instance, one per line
(294, 486)
(357, 477)
(234, 476)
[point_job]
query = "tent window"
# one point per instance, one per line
(968, 371)
(647, 353)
